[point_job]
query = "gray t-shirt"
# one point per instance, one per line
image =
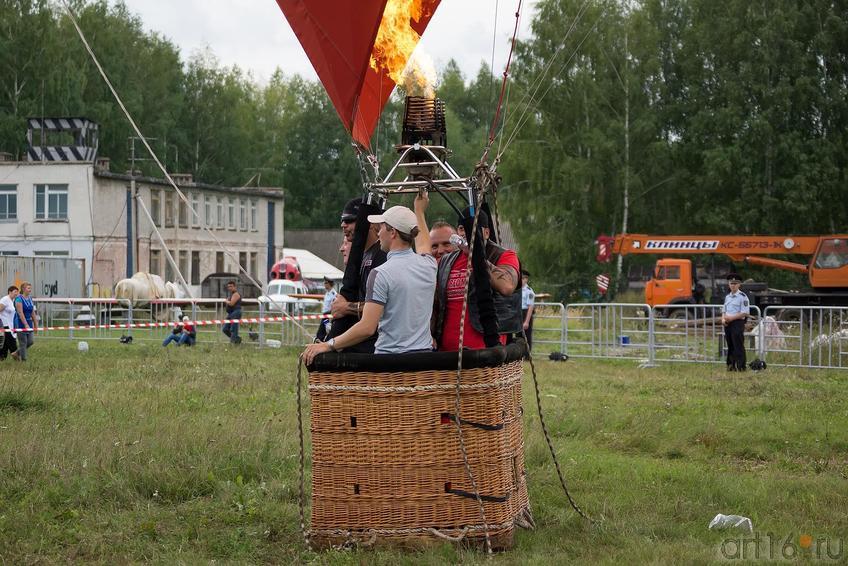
(405, 286)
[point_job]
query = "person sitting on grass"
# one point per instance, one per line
(184, 333)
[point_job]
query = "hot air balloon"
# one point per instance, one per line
(357, 59)
(386, 458)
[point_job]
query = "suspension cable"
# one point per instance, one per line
(503, 83)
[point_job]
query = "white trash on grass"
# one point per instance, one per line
(82, 346)
(731, 522)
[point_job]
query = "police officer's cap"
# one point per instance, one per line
(734, 278)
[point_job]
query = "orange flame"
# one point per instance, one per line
(419, 76)
(396, 39)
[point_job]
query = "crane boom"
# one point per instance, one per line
(736, 247)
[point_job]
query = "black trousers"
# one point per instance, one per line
(323, 324)
(734, 335)
(529, 332)
(9, 344)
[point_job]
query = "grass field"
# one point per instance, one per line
(135, 453)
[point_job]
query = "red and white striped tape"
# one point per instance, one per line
(170, 324)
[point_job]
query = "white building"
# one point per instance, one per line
(65, 204)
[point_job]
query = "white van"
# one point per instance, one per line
(278, 295)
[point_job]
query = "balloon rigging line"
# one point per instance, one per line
(525, 114)
(529, 96)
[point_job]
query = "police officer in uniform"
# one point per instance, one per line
(733, 314)
(528, 305)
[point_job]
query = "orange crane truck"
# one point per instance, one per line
(674, 280)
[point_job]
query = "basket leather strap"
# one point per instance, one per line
(488, 498)
(483, 426)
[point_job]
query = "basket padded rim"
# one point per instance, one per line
(419, 361)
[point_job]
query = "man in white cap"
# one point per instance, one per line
(399, 296)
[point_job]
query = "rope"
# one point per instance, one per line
(505, 78)
(536, 84)
(524, 115)
(418, 530)
(548, 437)
(494, 44)
(447, 537)
(167, 251)
(471, 237)
(301, 499)
(161, 166)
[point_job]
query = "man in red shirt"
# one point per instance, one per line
(503, 268)
(440, 235)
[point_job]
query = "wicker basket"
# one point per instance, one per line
(387, 460)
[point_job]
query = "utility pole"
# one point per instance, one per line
(132, 212)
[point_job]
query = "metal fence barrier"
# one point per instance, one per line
(85, 318)
(609, 330)
(548, 328)
(806, 336)
(694, 333)
(797, 337)
(815, 337)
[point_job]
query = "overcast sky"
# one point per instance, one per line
(255, 35)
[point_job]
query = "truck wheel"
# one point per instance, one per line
(676, 314)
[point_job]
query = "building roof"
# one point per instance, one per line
(323, 242)
(269, 192)
(312, 266)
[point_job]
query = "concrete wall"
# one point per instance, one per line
(28, 236)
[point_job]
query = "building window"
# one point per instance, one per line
(50, 253)
(243, 215)
(231, 209)
(219, 262)
(195, 268)
(51, 202)
(169, 210)
(195, 214)
(155, 208)
(183, 213)
(7, 252)
(183, 264)
(8, 202)
(242, 261)
(207, 211)
(155, 262)
(254, 264)
(220, 209)
(253, 226)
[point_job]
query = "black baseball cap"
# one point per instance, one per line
(351, 209)
(482, 220)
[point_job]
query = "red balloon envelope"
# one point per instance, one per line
(338, 37)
